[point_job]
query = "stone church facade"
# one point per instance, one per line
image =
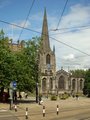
(65, 82)
(53, 82)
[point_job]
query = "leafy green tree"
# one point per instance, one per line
(21, 66)
(86, 89)
(7, 61)
(78, 73)
(27, 66)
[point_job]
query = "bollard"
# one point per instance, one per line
(57, 109)
(43, 111)
(15, 108)
(26, 113)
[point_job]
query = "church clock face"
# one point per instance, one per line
(48, 67)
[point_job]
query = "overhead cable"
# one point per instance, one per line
(26, 18)
(79, 29)
(62, 14)
(46, 35)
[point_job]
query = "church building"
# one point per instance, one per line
(52, 81)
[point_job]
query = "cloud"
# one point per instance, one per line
(78, 15)
(69, 57)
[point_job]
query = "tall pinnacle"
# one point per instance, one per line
(45, 36)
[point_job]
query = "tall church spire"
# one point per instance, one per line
(45, 35)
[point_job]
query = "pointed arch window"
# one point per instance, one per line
(48, 59)
(61, 84)
(73, 84)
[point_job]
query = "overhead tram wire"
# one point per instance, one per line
(74, 27)
(45, 34)
(61, 15)
(26, 18)
(78, 29)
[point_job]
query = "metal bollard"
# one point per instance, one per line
(57, 109)
(26, 113)
(43, 111)
(15, 108)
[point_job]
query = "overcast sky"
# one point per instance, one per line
(76, 14)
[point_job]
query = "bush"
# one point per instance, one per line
(53, 97)
(64, 96)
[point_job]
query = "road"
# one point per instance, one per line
(77, 113)
(69, 109)
(7, 115)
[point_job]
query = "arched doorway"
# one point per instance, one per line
(61, 83)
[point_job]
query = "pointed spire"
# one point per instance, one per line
(45, 36)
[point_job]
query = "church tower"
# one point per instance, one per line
(47, 63)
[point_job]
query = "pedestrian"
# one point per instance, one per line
(39, 100)
(77, 97)
(26, 95)
(20, 96)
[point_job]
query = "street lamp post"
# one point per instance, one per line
(11, 95)
(37, 68)
(13, 86)
(36, 92)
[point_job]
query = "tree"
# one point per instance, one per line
(27, 66)
(21, 65)
(78, 73)
(86, 89)
(6, 63)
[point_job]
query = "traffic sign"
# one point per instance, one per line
(14, 84)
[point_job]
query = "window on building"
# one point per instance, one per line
(48, 59)
(44, 84)
(45, 71)
(73, 84)
(61, 83)
(50, 71)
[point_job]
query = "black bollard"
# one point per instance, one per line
(15, 108)
(57, 109)
(43, 111)
(26, 113)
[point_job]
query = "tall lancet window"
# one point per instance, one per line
(44, 84)
(61, 83)
(48, 59)
(73, 84)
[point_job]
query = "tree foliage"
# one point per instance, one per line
(86, 89)
(20, 66)
(27, 75)
(78, 73)
(6, 61)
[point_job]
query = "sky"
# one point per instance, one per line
(76, 14)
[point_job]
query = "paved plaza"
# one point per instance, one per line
(69, 109)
